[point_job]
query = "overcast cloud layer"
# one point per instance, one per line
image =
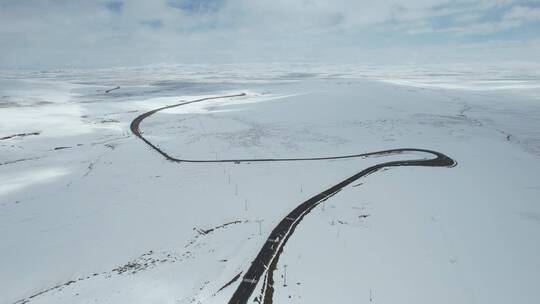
(88, 33)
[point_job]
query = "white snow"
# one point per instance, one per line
(87, 201)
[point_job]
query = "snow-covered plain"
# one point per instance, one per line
(90, 214)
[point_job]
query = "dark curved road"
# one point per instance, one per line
(267, 258)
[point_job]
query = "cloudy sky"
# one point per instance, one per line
(67, 33)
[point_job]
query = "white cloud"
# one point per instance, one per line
(86, 32)
(475, 17)
(523, 13)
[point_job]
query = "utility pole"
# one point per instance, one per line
(236, 189)
(285, 275)
(245, 205)
(260, 225)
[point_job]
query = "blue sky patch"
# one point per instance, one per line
(115, 6)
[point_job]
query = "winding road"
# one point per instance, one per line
(266, 261)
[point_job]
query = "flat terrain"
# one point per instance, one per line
(283, 185)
